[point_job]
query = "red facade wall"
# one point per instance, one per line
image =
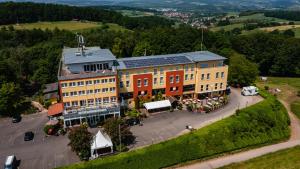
(144, 88)
(170, 86)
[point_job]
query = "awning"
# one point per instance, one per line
(55, 109)
(101, 140)
(157, 104)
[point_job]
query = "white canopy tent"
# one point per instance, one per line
(101, 141)
(157, 105)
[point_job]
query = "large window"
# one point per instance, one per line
(177, 79)
(145, 82)
(155, 71)
(139, 82)
(96, 81)
(216, 86)
(98, 101)
(82, 92)
(121, 84)
(97, 90)
(222, 74)
(104, 90)
(74, 103)
(161, 80)
(161, 71)
(217, 75)
(155, 81)
(89, 82)
(208, 76)
(112, 89)
(64, 85)
(186, 77)
(65, 94)
(171, 79)
(113, 99)
(82, 102)
(202, 77)
(67, 104)
(80, 83)
(192, 76)
(127, 83)
(90, 102)
(106, 100)
(72, 84)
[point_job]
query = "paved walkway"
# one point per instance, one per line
(167, 125)
(243, 156)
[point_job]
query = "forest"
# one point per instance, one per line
(289, 15)
(29, 58)
(28, 12)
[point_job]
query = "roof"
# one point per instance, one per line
(91, 54)
(157, 104)
(168, 59)
(55, 109)
(101, 140)
(51, 87)
(49, 96)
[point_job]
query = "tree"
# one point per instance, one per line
(111, 127)
(80, 141)
(10, 100)
(142, 48)
(241, 71)
(289, 33)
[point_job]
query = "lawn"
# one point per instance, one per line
(263, 123)
(67, 25)
(227, 27)
(295, 107)
(283, 159)
(132, 13)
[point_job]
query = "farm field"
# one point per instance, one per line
(280, 28)
(132, 13)
(284, 159)
(67, 25)
(227, 27)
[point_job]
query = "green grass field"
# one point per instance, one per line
(67, 25)
(132, 13)
(259, 16)
(284, 159)
(227, 27)
(295, 107)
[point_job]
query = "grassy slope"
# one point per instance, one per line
(284, 159)
(295, 107)
(250, 127)
(68, 25)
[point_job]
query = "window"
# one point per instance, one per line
(64, 85)
(192, 76)
(222, 74)
(90, 102)
(65, 94)
(113, 99)
(177, 79)
(139, 83)
(104, 90)
(221, 85)
(127, 83)
(192, 68)
(82, 102)
(98, 101)
(72, 84)
(201, 88)
(177, 68)
(145, 82)
(186, 68)
(186, 77)
(145, 71)
(217, 75)
(206, 87)
(86, 68)
(67, 104)
(82, 92)
(127, 75)
(81, 83)
(89, 82)
(203, 65)
(96, 81)
(112, 89)
(202, 77)
(106, 100)
(155, 71)
(161, 71)
(161, 80)
(74, 103)
(216, 86)
(105, 66)
(121, 84)
(73, 93)
(97, 90)
(111, 80)
(171, 79)
(208, 76)
(89, 92)
(155, 81)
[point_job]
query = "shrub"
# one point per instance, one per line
(47, 129)
(262, 123)
(266, 87)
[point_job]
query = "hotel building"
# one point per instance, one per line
(92, 82)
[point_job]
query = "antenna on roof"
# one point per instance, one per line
(81, 43)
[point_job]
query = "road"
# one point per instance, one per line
(40, 153)
(243, 156)
(167, 125)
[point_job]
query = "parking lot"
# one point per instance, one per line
(162, 126)
(40, 153)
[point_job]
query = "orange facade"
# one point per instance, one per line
(142, 85)
(174, 83)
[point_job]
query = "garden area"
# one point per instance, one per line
(263, 123)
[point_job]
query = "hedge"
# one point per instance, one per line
(262, 123)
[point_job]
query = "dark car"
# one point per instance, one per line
(28, 136)
(16, 119)
(133, 121)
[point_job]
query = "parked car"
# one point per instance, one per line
(133, 121)
(250, 91)
(28, 136)
(11, 162)
(16, 119)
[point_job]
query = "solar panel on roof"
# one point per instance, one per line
(156, 61)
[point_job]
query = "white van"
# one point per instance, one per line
(250, 91)
(11, 162)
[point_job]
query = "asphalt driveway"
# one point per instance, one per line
(40, 153)
(166, 125)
